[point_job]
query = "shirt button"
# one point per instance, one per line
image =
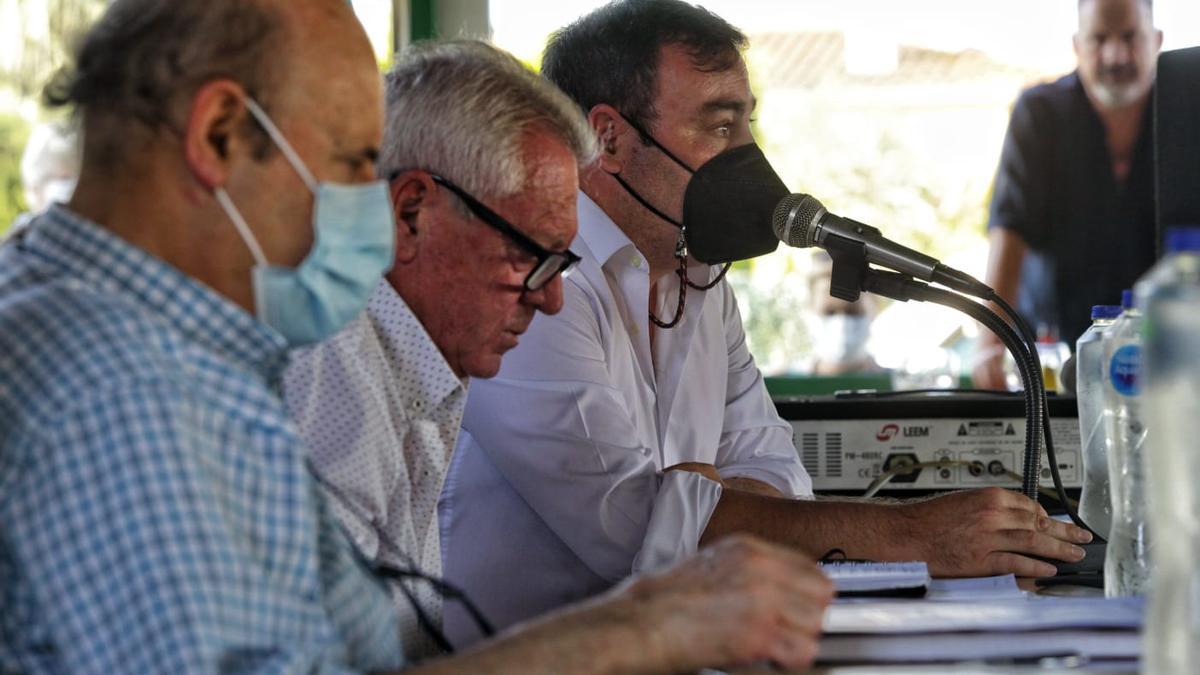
(418, 404)
(635, 261)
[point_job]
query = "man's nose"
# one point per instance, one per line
(1115, 52)
(548, 298)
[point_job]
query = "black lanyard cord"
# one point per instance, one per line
(447, 590)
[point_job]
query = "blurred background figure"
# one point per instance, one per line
(49, 168)
(840, 330)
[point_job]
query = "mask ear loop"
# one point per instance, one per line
(240, 225)
(286, 148)
(681, 246)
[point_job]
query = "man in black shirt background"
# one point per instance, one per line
(1072, 215)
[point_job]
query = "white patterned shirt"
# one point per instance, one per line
(380, 409)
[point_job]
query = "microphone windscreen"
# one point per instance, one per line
(795, 219)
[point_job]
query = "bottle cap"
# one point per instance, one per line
(1126, 299)
(1105, 312)
(1180, 239)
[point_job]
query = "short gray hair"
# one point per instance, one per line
(142, 58)
(461, 108)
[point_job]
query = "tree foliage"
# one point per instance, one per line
(49, 31)
(13, 134)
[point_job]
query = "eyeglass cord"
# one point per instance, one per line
(684, 284)
(444, 588)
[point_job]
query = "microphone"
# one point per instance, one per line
(802, 221)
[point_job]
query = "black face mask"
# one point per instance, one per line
(727, 206)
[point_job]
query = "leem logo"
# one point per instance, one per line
(888, 432)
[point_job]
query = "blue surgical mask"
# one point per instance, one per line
(353, 240)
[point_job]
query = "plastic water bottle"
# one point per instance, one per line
(1126, 563)
(1095, 504)
(1170, 296)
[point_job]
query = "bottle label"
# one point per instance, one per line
(1125, 370)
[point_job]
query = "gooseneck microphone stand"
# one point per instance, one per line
(852, 275)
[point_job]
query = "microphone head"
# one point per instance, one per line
(795, 220)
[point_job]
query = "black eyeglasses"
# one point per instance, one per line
(549, 263)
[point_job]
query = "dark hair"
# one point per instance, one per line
(611, 55)
(143, 57)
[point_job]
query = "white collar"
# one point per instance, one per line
(599, 233)
(407, 340)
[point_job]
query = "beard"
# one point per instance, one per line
(1119, 87)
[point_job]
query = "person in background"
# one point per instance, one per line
(49, 168)
(157, 512)
(1071, 222)
(634, 426)
(840, 329)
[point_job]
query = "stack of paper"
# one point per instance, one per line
(981, 620)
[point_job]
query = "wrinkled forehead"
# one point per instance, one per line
(549, 193)
(723, 83)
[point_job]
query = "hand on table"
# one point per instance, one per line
(988, 532)
(738, 602)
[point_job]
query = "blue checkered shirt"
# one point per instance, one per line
(156, 511)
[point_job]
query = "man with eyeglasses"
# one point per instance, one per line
(380, 403)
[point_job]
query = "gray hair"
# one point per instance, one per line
(461, 108)
(143, 57)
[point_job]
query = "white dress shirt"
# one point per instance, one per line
(380, 409)
(557, 489)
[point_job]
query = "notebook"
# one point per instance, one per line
(876, 579)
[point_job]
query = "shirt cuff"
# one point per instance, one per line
(684, 503)
(783, 477)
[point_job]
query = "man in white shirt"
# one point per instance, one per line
(634, 426)
(482, 158)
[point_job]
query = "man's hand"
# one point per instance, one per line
(985, 532)
(738, 602)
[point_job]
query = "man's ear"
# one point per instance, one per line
(613, 134)
(412, 192)
(211, 140)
